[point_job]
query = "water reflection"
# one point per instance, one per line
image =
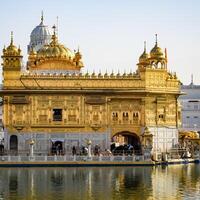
(173, 182)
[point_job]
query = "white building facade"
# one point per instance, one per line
(190, 102)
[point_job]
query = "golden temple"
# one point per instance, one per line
(54, 103)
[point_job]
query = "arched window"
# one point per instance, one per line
(161, 116)
(125, 116)
(159, 65)
(13, 143)
(114, 116)
(135, 115)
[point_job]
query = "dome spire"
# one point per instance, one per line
(145, 46)
(156, 39)
(11, 38)
(156, 52)
(42, 17)
(54, 38)
(54, 29)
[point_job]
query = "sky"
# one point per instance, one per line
(111, 33)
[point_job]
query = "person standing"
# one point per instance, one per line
(73, 150)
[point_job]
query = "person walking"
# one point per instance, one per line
(73, 150)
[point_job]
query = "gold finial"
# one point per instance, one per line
(166, 53)
(156, 38)
(42, 17)
(54, 38)
(11, 41)
(54, 29)
(106, 74)
(19, 48)
(145, 46)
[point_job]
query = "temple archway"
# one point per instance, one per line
(125, 139)
(13, 143)
(57, 147)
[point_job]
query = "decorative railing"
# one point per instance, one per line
(71, 158)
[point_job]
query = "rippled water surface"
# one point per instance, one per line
(172, 182)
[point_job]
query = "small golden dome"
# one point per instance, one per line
(12, 50)
(156, 52)
(144, 56)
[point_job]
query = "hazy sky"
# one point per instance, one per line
(111, 33)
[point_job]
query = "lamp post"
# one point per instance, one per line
(89, 142)
(32, 142)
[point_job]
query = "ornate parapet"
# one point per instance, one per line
(79, 81)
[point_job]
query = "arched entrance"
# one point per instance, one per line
(1, 149)
(57, 147)
(126, 142)
(13, 144)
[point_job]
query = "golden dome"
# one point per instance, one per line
(55, 56)
(55, 50)
(156, 52)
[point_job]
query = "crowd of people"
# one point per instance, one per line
(97, 151)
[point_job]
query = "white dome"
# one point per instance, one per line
(39, 32)
(40, 36)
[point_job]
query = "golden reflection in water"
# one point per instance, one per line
(171, 182)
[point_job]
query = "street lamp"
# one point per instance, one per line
(32, 142)
(89, 142)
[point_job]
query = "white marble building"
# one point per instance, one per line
(190, 103)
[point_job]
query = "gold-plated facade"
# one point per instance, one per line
(86, 103)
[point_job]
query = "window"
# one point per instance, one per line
(188, 117)
(135, 115)
(57, 114)
(161, 116)
(114, 116)
(196, 107)
(195, 116)
(125, 116)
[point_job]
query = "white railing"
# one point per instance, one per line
(21, 158)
